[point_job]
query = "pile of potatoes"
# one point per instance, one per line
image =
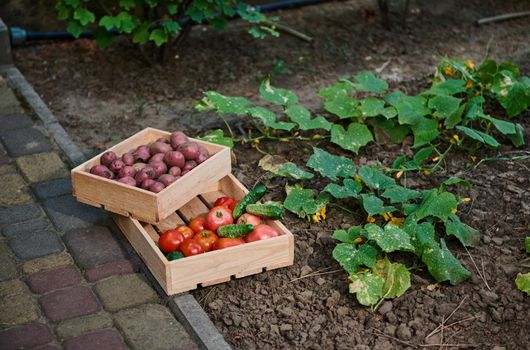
(153, 167)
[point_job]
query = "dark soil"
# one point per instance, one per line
(101, 97)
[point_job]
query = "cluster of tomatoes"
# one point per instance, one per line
(200, 235)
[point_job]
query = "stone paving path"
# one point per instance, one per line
(68, 279)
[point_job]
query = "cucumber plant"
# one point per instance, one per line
(522, 281)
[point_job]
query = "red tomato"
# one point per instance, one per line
(170, 241)
(250, 219)
(191, 247)
(223, 243)
(185, 230)
(261, 232)
(233, 205)
(217, 217)
(225, 202)
(198, 223)
(206, 239)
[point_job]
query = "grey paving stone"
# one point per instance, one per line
(124, 291)
(107, 339)
(34, 244)
(8, 101)
(152, 326)
(19, 213)
(13, 190)
(21, 142)
(77, 326)
(42, 166)
(66, 213)
(13, 230)
(15, 121)
(53, 188)
(93, 246)
(8, 269)
(16, 304)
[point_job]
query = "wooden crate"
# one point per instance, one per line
(212, 267)
(141, 204)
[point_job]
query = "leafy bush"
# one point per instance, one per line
(159, 22)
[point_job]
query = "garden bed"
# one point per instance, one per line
(102, 97)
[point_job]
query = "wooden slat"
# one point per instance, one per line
(170, 222)
(150, 230)
(193, 208)
(211, 197)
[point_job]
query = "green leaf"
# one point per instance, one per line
(442, 265)
(448, 87)
(444, 106)
(425, 130)
(503, 126)
(223, 104)
(250, 13)
(454, 181)
(515, 100)
(437, 204)
(486, 71)
(371, 107)
(517, 138)
(479, 136)
(329, 165)
(398, 194)
(467, 235)
(109, 22)
(357, 136)
(373, 205)
(84, 16)
(341, 88)
(351, 188)
(421, 235)
(375, 179)
(74, 28)
(349, 236)
(278, 167)
(141, 34)
(527, 244)
(368, 287)
(171, 8)
(302, 202)
(171, 27)
(394, 97)
(103, 37)
(127, 4)
(301, 116)
(389, 112)
(411, 109)
(522, 281)
(350, 258)
(343, 106)
(390, 239)
(268, 118)
(367, 81)
(397, 133)
(396, 277)
(276, 95)
(159, 36)
(217, 136)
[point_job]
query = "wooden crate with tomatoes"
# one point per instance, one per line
(187, 250)
(150, 174)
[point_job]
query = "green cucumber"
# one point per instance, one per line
(269, 211)
(234, 230)
(252, 197)
(174, 256)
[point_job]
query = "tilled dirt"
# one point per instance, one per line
(104, 96)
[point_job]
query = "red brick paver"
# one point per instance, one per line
(119, 267)
(24, 337)
(107, 339)
(46, 281)
(68, 303)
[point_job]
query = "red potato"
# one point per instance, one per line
(175, 171)
(174, 158)
(162, 140)
(145, 173)
(159, 157)
(184, 172)
(159, 167)
(203, 150)
(147, 183)
(128, 180)
(116, 165)
(142, 153)
(190, 164)
(127, 158)
(139, 166)
(127, 171)
(156, 187)
(190, 150)
(177, 138)
(107, 158)
(201, 158)
(166, 179)
(103, 171)
(159, 147)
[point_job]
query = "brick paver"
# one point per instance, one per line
(124, 291)
(8, 269)
(152, 326)
(53, 188)
(20, 228)
(13, 190)
(46, 281)
(21, 142)
(93, 246)
(42, 166)
(66, 213)
(68, 303)
(47, 262)
(34, 244)
(25, 337)
(107, 339)
(75, 327)
(19, 213)
(16, 304)
(119, 267)
(15, 121)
